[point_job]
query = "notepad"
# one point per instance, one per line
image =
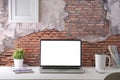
(22, 70)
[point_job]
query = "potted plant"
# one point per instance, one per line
(18, 56)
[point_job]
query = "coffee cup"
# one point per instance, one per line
(101, 62)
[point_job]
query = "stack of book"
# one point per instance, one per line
(22, 70)
(114, 54)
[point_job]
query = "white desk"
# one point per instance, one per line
(90, 74)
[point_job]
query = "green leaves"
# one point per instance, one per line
(18, 54)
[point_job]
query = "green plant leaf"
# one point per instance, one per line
(18, 54)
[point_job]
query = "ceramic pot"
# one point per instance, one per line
(18, 62)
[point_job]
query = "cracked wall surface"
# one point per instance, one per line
(52, 17)
(113, 15)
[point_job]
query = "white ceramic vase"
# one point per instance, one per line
(18, 63)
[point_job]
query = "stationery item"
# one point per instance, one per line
(19, 71)
(100, 62)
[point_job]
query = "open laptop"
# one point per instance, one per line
(61, 56)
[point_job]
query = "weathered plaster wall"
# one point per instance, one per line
(85, 20)
(113, 15)
(52, 16)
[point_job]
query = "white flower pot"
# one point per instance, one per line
(18, 63)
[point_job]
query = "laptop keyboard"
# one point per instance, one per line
(61, 67)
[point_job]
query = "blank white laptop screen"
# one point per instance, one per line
(60, 53)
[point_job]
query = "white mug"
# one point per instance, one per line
(100, 62)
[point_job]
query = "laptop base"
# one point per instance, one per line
(62, 71)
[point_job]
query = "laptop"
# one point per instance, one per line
(60, 56)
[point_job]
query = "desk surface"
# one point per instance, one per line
(90, 74)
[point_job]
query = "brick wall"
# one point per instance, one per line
(86, 17)
(31, 45)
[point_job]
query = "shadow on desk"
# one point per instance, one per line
(113, 76)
